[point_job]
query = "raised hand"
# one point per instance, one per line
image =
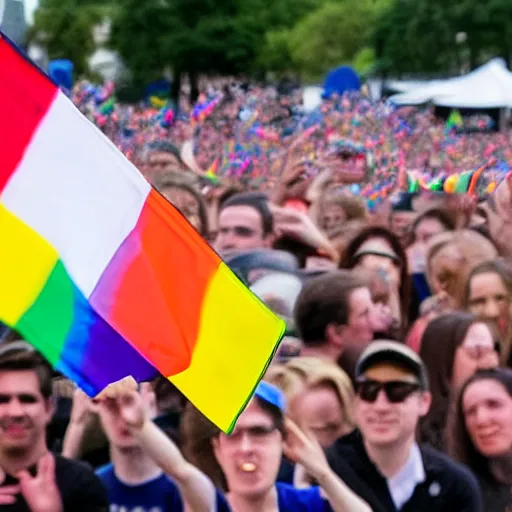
(304, 450)
(41, 492)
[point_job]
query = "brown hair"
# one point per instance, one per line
(439, 343)
(459, 443)
(350, 260)
(324, 300)
(26, 359)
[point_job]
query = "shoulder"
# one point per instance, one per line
(78, 483)
(345, 450)
(453, 475)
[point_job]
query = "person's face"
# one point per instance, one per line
(186, 203)
(319, 411)
(161, 161)
(333, 215)
(251, 456)
(489, 298)
(476, 352)
(400, 223)
(426, 229)
(445, 268)
(487, 408)
(384, 264)
(24, 412)
(382, 422)
(240, 228)
(359, 329)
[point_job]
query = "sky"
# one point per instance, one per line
(30, 7)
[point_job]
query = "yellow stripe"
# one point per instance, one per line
(238, 337)
(26, 261)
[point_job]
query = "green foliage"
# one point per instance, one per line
(331, 35)
(64, 29)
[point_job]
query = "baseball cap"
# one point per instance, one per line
(384, 351)
(271, 395)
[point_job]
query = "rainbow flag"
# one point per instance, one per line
(101, 274)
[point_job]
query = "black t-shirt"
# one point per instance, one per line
(80, 489)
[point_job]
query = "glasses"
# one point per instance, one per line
(396, 391)
(256, 433)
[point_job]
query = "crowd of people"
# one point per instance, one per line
(392, 388)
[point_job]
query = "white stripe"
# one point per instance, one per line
(77, 190)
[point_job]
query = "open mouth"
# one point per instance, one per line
(248, 467)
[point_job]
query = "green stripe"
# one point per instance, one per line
(463, 182)
(47, 323)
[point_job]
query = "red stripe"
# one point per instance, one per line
(152, 291)
(25, 97)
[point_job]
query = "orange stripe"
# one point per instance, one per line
(153, 289)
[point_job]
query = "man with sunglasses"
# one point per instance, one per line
(381, 460)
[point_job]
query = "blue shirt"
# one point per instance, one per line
(290, 499)
(158, 495)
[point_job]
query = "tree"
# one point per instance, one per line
(331, 35)
(65, 29)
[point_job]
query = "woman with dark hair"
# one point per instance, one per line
(377, 248)
(454, 346)
(480, 435)
(488, 295)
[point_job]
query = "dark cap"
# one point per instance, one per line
(384, 351)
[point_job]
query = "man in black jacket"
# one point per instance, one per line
(381, 461)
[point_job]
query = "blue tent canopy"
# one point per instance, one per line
(61, 72)
(341, 80)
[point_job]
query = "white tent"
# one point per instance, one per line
(489, 86)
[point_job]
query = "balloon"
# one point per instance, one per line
(450, 183)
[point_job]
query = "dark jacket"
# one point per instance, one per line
(448, 487)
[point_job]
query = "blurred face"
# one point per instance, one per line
(359, 329)
(333, 215)
(487, 408)
(319, 411)
(389, 420)
(400, 222)
(186, 203)
(489, 298)
(251, 456)
(381, 263)
(426, 229)
(476, 352)
(24, 412)
(161, 161)
(444, 270)
(240, 228)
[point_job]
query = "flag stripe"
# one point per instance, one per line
(152, 291)
(25, 97)
(85, 200)
(237, 340)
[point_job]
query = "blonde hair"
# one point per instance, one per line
(473, 249)
(303, 373)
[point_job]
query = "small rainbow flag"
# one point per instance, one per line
(101, 274)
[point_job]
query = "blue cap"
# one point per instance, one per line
(271, 395)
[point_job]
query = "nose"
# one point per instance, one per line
(491, 309)
(14, 408)
(246, 444)
(382, 402)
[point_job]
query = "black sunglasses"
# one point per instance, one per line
(396, 391)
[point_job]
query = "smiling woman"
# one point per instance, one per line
(481, 434)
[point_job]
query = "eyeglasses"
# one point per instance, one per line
(396, 391)
(256, 433)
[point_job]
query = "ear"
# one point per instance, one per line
(334, 334)
(425, 403)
